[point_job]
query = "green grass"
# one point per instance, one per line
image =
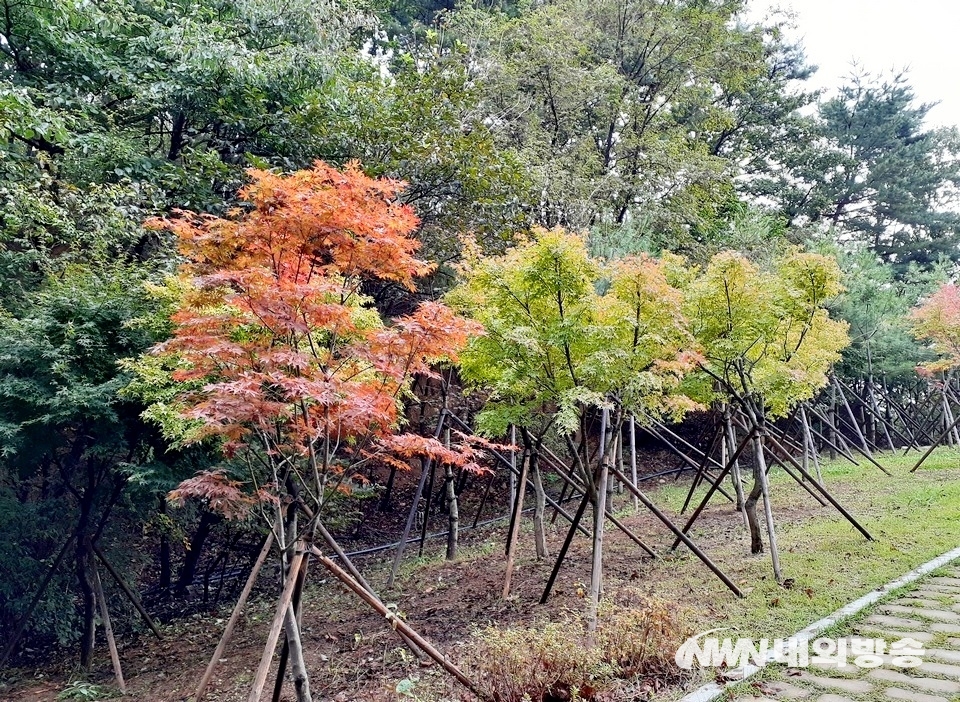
(913, 518)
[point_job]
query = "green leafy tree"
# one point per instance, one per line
(70, 445)
(627, 114)
(555, 351)
(768, 342)
(874, 173)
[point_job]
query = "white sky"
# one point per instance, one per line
(922, 35)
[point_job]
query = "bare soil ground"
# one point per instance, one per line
(354, 655)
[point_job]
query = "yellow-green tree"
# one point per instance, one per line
(556, 351)
(768, 343)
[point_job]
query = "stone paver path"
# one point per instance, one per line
(928, 615)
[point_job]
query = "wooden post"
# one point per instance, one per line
(397, 623)
(683, 537)
(234, 618)
(411, 517)
(134, 600)
(513, 466)
(767, 508)
(263, 669)
(108, 630)
(515, 526)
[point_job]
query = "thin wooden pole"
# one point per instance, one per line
(411, 517)
(935, 444)
(633, 460)
(706, 499)
(515, 526)
(25, 619)
(131, 595)
(683, 537)
(108, 630)
(234, 618)
(396, 622)
(574, 524)
(767, 507)
(260, 679)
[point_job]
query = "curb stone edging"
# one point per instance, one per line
(711, 691)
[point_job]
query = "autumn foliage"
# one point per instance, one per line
(279, 350)
(938, 321)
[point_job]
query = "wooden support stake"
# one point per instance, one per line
(234, 618)
(263, 669)
(633, 460)
(131, 595)
(411, 517)
(397, 623)
(108, 630)
(515, 526)
(935, 444)
(683, 537)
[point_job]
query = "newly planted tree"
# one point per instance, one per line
(556, 352)
(285, 362)
(768, 343)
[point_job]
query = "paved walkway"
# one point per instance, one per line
(928, 615)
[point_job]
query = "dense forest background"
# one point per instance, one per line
(649, 124)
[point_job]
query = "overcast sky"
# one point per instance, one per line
(922, 35)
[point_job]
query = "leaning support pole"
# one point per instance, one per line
(108, 631)
(25, 619)
(131, 595)
(515, 524)
(396, 622)
(355, 574)
(934, 445)
(706, 498)
(633, 460)
(563, 549)
(573, 481)
(823, 491)
(654, 431)
(853, 419)
(260, 679)
(413, 507)
(767, 507)
(679, 534)
(234, 618)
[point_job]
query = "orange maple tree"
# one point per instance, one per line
(282, 355)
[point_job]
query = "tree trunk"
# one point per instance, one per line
(750, 508)
(88, 607)
(188, 571)
(301, 679)
(596, 570)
